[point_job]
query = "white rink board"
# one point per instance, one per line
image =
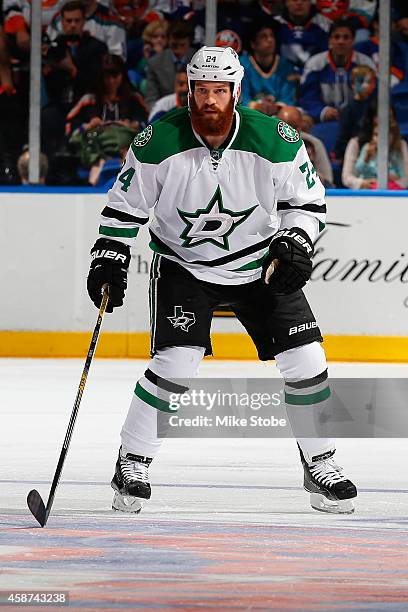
(359, 285)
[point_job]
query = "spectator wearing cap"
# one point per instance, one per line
(162, 67)
(268, 78)
(175, 100)
(325, 86)
(302, 31)
(101, 23)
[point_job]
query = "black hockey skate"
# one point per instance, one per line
(130, 482)
(330, 491)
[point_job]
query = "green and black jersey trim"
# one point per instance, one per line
(112, 213)
(122, 217)
(115, 232)
(316, 208)
(160, 247)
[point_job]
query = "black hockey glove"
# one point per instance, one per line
(288, 265)
(110, 262)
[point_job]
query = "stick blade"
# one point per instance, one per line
(37, 507)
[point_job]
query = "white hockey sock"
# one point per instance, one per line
(306, 393)
(152, 393)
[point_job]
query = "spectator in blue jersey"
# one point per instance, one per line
(175, 100)
(268, 78)
(302, 32)
(325, 86)
(371, 48)
(101, 23)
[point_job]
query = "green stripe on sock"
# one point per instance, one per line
(152, 400)
(305, 400)
(119, 233)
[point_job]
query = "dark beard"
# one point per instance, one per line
(211, 125)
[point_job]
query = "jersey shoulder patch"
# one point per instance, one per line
(268, 137)
(287, 132)
(169, 135)
(143, 137)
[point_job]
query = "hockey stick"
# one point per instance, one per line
(34, 499)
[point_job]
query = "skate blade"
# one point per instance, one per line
(126, 503)
(322, 504)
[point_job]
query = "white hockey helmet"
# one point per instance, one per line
(216, 64)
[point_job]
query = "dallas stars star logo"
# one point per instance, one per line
(212, 224)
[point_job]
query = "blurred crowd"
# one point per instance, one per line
(110, 67)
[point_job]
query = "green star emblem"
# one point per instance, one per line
(143, 137)
(213, 224)
(287, 132)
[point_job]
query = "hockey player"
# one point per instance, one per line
(237, 207)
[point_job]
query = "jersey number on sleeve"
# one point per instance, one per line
(126, 178)
(304, 168)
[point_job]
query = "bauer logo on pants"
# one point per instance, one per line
(182, 319)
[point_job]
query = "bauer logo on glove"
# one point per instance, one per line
(288, 265)
(110, 262)
(109, 255)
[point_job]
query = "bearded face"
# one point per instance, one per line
(211, 116)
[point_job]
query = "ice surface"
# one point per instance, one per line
(228, 526)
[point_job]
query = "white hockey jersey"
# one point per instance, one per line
(215, 212)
